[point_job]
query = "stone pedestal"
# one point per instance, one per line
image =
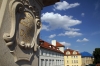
(20, 26)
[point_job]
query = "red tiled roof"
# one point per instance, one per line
(47, 45)
(71, 52)
(59, 45)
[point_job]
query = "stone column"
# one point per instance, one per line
(20, 26)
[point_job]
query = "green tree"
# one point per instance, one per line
(96, 55)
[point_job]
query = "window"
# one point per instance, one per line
(52, 62)
(49, 53)
(76, 57)
(46, 53)
(72, 61)
(56, 62)
(72, 56)
(67, 61)
(49, 62)
(46, 62)
(41, 52)
(56, 55)
(60, 61)
(42, 60)
(74, 52)
(67, 52)
(53, 54)
(59, 55)
(76, 61)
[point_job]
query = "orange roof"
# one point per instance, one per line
(49, 46)
(59, 45)
(71, 52)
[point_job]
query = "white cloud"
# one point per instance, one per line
(65, 43)
(70, 34)
(44, 27)
(64, 5)
(72, 29)
(52, 36)
(56, 21)
(83, 40)
(82, 14)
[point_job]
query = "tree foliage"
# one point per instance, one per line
(96, 55)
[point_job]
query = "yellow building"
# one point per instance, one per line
(72, 58)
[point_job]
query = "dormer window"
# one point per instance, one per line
(74, 52)
(67, 52)
(50, 46)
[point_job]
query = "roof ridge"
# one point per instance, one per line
(59, 44)
(47, 45)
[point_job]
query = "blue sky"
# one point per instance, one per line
(74, 23)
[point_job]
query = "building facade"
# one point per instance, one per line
(72, 58)
(87, 58)
(50, 55)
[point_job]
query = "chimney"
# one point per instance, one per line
(53, 42)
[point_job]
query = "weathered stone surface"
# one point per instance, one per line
(19, 31)
(20, 26)
(0, 3)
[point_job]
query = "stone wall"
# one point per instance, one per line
(0, 3)
(20, 26)
(12, 52)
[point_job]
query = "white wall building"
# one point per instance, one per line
(50, 55)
